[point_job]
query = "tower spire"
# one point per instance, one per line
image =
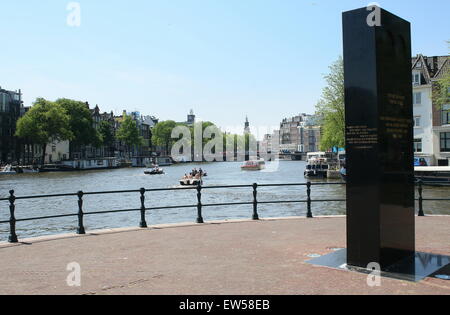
(247, 126)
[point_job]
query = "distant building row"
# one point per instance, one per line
(14, 150)
(299, 134)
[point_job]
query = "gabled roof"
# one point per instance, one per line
(432, 68)
(443, 69)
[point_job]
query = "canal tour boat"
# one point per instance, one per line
(7, 170)
(256, 165)
(318, 165)
(317, 170)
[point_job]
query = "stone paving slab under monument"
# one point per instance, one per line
(225, 258)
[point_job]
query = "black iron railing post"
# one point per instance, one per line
(421, 213)
(12, 219)
(80, 229)
(255, 202)
(199, 204)
(143, 223)
(308, 192)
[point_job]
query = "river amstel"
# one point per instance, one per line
(134, 178)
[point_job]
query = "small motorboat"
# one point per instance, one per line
(191, 181)
(7, 170)
(256, 165)
(154, 171)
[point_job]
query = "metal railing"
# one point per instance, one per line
(199, 206)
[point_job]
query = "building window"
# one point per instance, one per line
(418, 145)
(417, 98)
(417, 121)
(446, 114)
(416, 79)
(445, 141)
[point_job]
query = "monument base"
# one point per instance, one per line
(413, 269)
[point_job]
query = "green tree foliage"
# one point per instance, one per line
(331, 108)
(106, 134)
(128, 133)
(203, 125)
(442, 88)
(80, 123)
(45, 122)
(162, 134)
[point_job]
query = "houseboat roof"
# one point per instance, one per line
(432, 168)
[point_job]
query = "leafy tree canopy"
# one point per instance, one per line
(162, 133)
(442, 95)
(128, 132)
(45, 122)
(331, 108)
(80, 122)
(106, 133)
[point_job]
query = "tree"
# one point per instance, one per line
(106, 134)
(162, 134)
(45, 122)
(128, 133)
(331, 108)
(80, 123)
(442, 88)
(203, 125)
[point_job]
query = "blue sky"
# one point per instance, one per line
(223, 58)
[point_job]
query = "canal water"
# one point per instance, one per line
(134, 178)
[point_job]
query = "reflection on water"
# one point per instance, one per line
(126, 179)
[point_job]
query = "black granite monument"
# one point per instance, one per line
(379, 139)
(379, 136)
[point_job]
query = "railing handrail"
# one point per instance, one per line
(203, 187)
(200, 205)
(165, 189)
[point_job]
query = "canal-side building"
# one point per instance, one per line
(11, 108)
(301, 133)
(266, 144)
(310, 135)
(91, 151)
(431, 121)
(145, 124)
(56, 152)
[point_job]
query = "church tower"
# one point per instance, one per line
(247, 126)
(191, 118)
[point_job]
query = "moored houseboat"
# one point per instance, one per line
(7, 170)
(433, 174)
(82, 165)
